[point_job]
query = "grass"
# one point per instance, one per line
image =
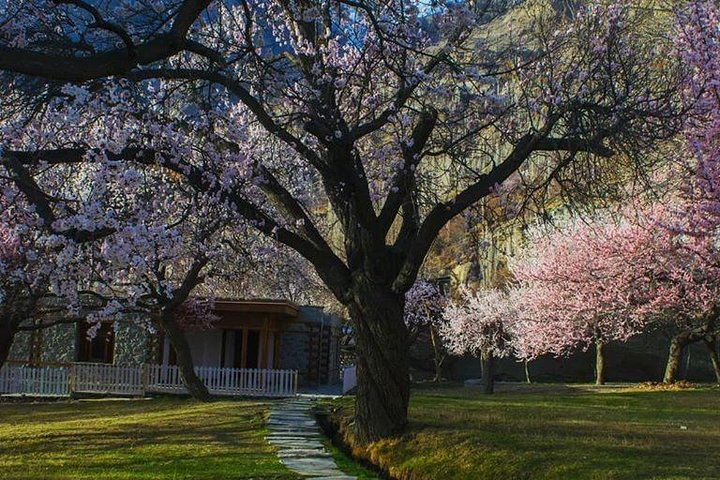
(137, 439)
(347, 464)
(553, 432)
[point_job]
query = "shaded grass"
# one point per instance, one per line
(553, 433)
(347, 464)
(166, 438)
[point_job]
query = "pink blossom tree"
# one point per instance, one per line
(608, 279)
(481, 323)
(341, 131)
(583, 282)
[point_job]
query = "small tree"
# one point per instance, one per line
(698, 44)
(481, 324)
(424, 304)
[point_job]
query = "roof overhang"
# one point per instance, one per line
(276, 308)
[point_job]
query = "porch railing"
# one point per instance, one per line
(142, 379)
(226, 381)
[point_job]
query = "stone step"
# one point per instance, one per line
(293, 428)
(289, 416)
(296, 435)
(291, 442)
(315, 433)
(304, 453)
(336, 477)
(302, 445)
(324, 467)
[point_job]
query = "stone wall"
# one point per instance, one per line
(20, 349)
(59, 344)
(641, 359)
(294, 346)
(133, 344)
(310, 345)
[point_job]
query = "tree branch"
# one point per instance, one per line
(315, 249)
(101, 23)
(403, 182)
(70, 68)
(34, 194)
(236, 88)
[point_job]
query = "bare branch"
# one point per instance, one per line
(72, 68)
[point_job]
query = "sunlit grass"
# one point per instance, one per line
(167, 438)
(555, 433)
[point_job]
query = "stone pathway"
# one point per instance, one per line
(296, 434)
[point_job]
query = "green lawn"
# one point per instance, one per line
(554, 432)
(137, 439)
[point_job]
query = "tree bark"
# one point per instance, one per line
(711, 344)
(677, 345)
(438, 357)
(195, 387)
(527, 372)
(488, 372)
(381, 340)
(7, 334)
(599, 363)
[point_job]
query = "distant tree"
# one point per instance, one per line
(481, 323)
(424, 304)
(609, 278)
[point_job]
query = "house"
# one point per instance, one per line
(250, 334)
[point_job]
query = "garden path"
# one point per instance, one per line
(296, 434)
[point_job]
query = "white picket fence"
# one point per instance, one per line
(226, 381)
(142, 379)
(107, 378)
(40, 381)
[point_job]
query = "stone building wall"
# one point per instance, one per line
(20, 349)
(59, 344)
(310, 345)
(133, 344)
(294, 345)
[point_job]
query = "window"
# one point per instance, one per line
(98, 350)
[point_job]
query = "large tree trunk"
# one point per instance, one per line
(195, 387)
(677, 345)
(381, 340)
(711, 344)
(599, 363)
(488, 372)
